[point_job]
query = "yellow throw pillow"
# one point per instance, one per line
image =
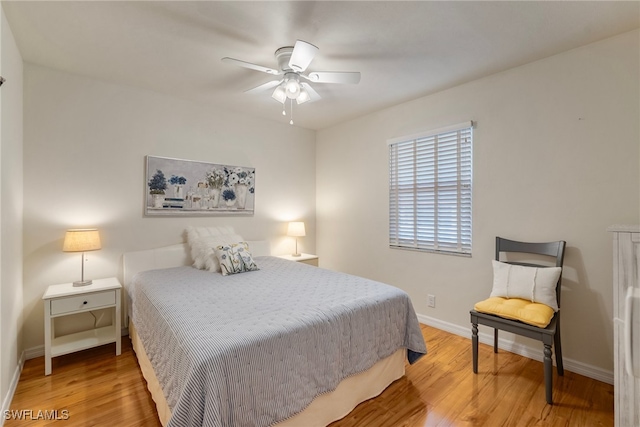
(531, 313)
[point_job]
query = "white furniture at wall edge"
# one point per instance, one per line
(65, 299)
(626, 323)
(303, 258)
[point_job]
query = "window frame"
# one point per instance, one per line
(416, 230)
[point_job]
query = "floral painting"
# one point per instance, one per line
(189, 187)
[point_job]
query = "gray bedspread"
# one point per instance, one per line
(255, 348)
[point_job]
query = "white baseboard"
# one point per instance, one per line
(517, 348)
(6, 402)
(33, 352)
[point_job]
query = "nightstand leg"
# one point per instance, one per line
(118, 323)
(47, 338)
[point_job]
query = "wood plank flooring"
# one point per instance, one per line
(99, 389)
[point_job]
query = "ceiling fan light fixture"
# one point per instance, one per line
(292, 64)
(279, 94)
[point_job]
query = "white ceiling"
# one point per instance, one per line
(404, 50)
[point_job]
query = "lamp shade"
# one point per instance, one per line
(279, 94)
(296, 229)
(81, 240)
(303, 97)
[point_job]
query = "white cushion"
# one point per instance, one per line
(202, 240)
(235, 258)
(530, 283)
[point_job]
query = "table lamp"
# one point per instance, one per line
(81, 240)
(296, 229)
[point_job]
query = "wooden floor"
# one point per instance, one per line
(99, 389)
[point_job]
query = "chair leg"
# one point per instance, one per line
(495, 340)
(557, 344)
(548, 374)
(474, 346)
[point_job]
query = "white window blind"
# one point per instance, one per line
(430, 191)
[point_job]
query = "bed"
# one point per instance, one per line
(287, 345)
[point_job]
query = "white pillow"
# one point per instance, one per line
(530, 283)
(203, 239)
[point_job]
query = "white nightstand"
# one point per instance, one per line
(303, 258)
(65, 299)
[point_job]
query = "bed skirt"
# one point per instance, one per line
(324, 409)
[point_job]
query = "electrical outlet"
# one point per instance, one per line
(431, 301)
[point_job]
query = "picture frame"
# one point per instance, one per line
(177, 187)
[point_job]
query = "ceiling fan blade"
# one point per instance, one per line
(251, 66)
(264, 87)
(312, 93)
(302, 55)
(350, 77)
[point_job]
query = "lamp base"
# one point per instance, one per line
(82, 283)
(296, 255)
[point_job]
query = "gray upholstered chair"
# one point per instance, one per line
(549, 335)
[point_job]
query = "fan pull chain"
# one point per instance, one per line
(291, 121)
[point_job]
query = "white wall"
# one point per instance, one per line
(11, 187)
(556, 156)
(85, 147)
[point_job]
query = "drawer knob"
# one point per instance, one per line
(84, 302)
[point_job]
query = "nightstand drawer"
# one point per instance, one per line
(83, 302)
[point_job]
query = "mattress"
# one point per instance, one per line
(256, 348)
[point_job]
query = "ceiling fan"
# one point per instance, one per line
(292, 64)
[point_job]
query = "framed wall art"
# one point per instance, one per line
(193, 188)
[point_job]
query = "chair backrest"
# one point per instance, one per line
(551, 249)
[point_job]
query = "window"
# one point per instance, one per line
(430, 191)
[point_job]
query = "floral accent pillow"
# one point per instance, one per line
(235, 258)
